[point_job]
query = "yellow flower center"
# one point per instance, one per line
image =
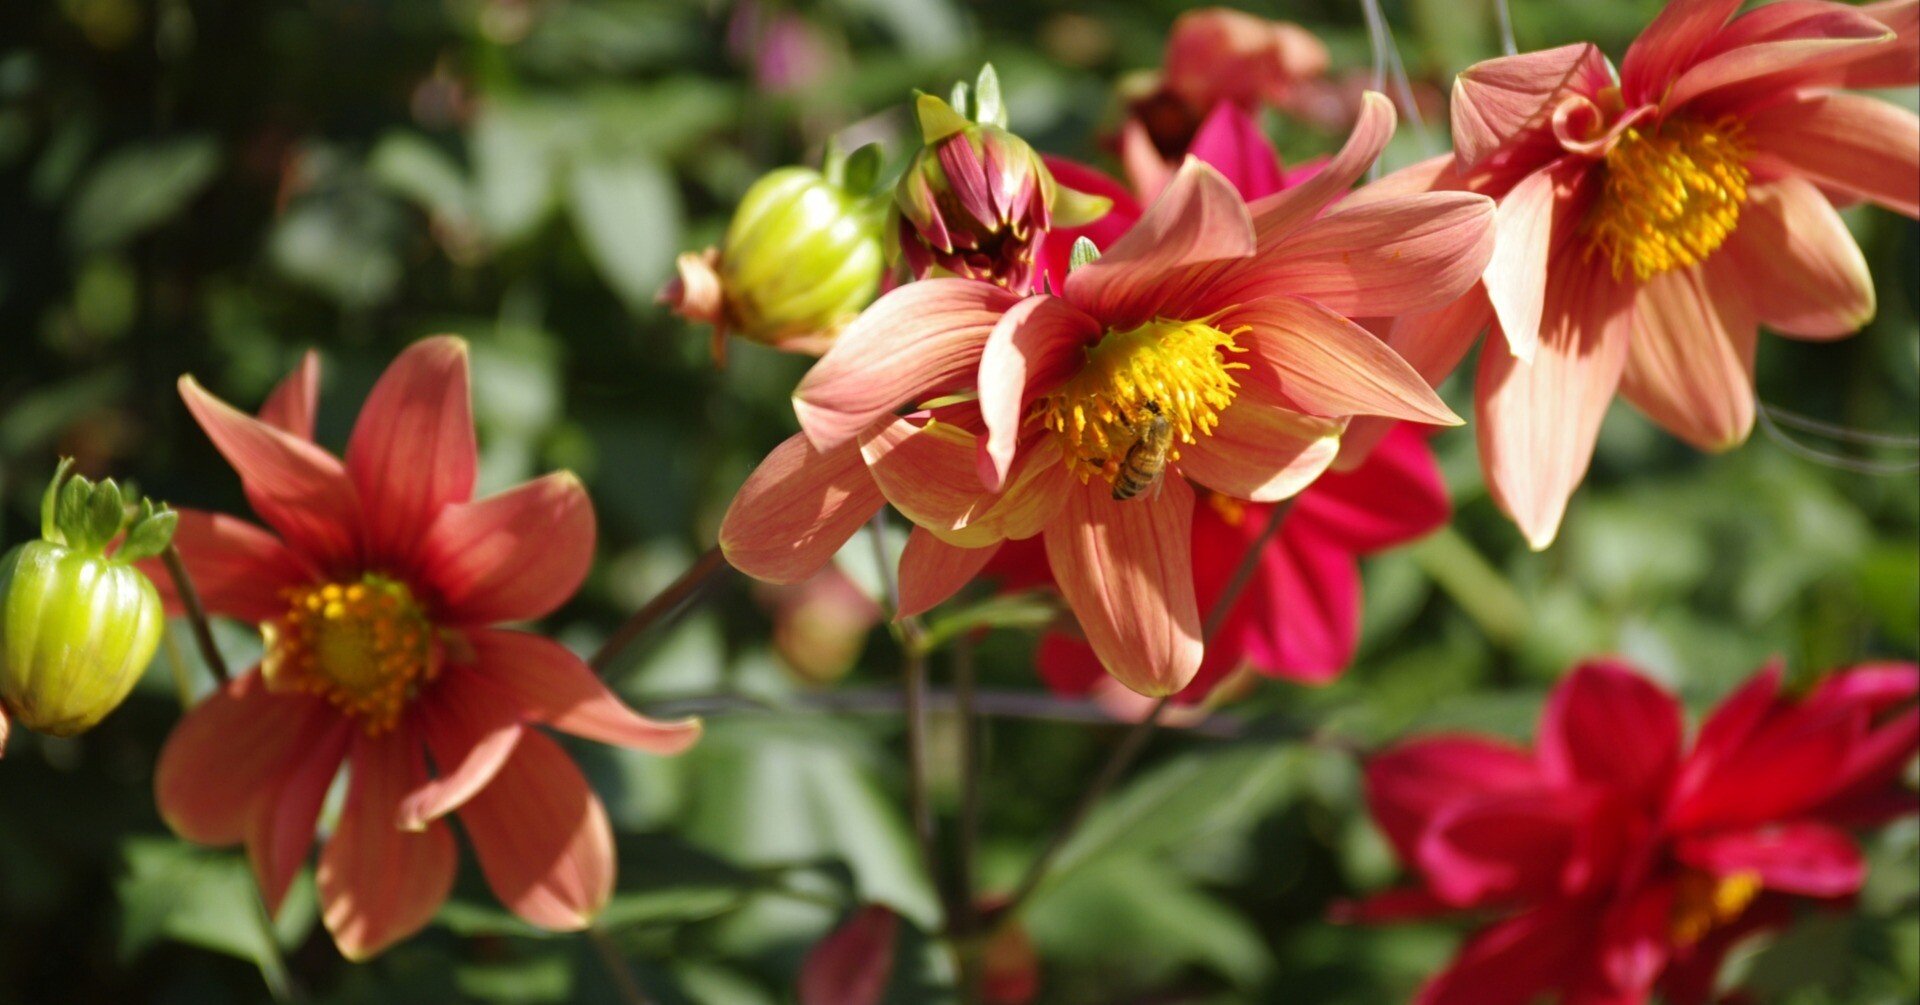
(1175, 370)
(1702, 903)
(364, 646)
(1672, 196)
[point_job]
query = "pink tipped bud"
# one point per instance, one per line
(852, 965)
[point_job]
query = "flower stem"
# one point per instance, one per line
(1135, 741)
(966, 920)
(196, 614)
(914, 672)
(704, 571)
(624, 982)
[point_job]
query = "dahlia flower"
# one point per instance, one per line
(375, 592)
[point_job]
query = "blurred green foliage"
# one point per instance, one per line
(208, 187)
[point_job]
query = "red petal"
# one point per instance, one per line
(1409, 785)
(853, 964)
(1198, 220)
(932, 570)
(797, 508)
(378, 883)
(293, 404)
(226, 754)
(542, 837)
(281, 829)
(470, 731)
(552, 685)
(1585, 720)
(515, 556)
(1809, 859)
(412, 452)
(239, 570)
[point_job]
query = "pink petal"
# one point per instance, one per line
(797, 508)
(1513, 962)
(1262, 450)
(853, 964)
(1669, 45)
(551, 685)
(238, 569)
(1126, 569)
(1810, 859)
(412, 450)
(542, 838)
(280, 830)
(1893, 63)
(470, 731)
(918, 342)
(1848, 143)
(515, 556)
(1056, 251)
(1324, 364)
(1198, 220)
(1140, 159)
(1277, 215)
(1690, 365)
(1774, 48)
(929, 473)
(1410, 785)
(227, 753)
(1039, 342)
(1395, 256)
(932, 570)
(1803, 274)
(1538, 422)
(1395, 496)
(1500, 848)
(378, 883)
(1510, 100)
(1534, 217)
(1725, 730)
(292, 405)
(299, 489)
(1231, 140)
(1586, 718)
(1314, 618)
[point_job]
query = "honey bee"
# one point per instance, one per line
(1146, 461)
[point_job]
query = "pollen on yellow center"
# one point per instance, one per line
(1176, 369)
(1702, 903)
(1671, 197)
(365, 646)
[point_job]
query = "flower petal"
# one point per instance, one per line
(1893, 63)
(1126, 569)
(1197, 220)
(1433, 344)
(1802, 272)
(1515, 961)
(797, 508)
(1538, 422)
(1382, 258)
(1585, 719)
(1690, 364)
(226, 754)
(1810, 859)
(853, 964)
(1037, 344)
(470, 731)
(1864, 147)
(1056, 251)
(292, 405)
(1395, 496)
(1323, 364)
(919, 341)
(931, 571)
(1262, 451)
(1510, 100)
(1231, 140)
(378, 883)
(928, 470)
(1534, 217)
(280, 830)
(542, 837)
(1774, 48)
(1277, 215)
(299, 489)
(412, 450)
(1408, 786)
(1500, 848)
(1314, 615)
(238, 569)
(515, 556)
(1669, 45)
(551, 685)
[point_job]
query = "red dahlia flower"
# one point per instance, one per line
(1619, 860)
(374, 593)
(1648, 225)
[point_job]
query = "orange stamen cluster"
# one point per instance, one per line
(1702, 903)
(1672, 196)
(1177, 369)
(365, 646)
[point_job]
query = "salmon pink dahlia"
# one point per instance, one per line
(1218, 328)
(375, 592)
(1650, 223)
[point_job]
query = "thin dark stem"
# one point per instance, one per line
(196, 614)
(704, 571)
(624, 982)
(1135, 741)
(966, 920)
(914, 690)
(1033, 706)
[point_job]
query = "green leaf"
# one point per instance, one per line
(1030, 610)
(138, 188)
(1138, 923)
(150, 534)
(628, 216)
(513, 166)
(415, 168)
(208, 899)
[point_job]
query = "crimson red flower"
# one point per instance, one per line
(374, 592)
(1623, 862)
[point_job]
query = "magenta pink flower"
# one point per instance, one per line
(1649, 225)
(1226, 322)
(1616, 859)
(375, 591)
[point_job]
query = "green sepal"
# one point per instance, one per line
(938, 119)
(1083, 253)
(1073, 208)
(49, 503)
(860, 172)
(150, 534)
(988, 107)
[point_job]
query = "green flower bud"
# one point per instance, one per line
(802, 256)
(78, 626)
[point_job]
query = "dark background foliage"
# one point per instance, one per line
(212, 187)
